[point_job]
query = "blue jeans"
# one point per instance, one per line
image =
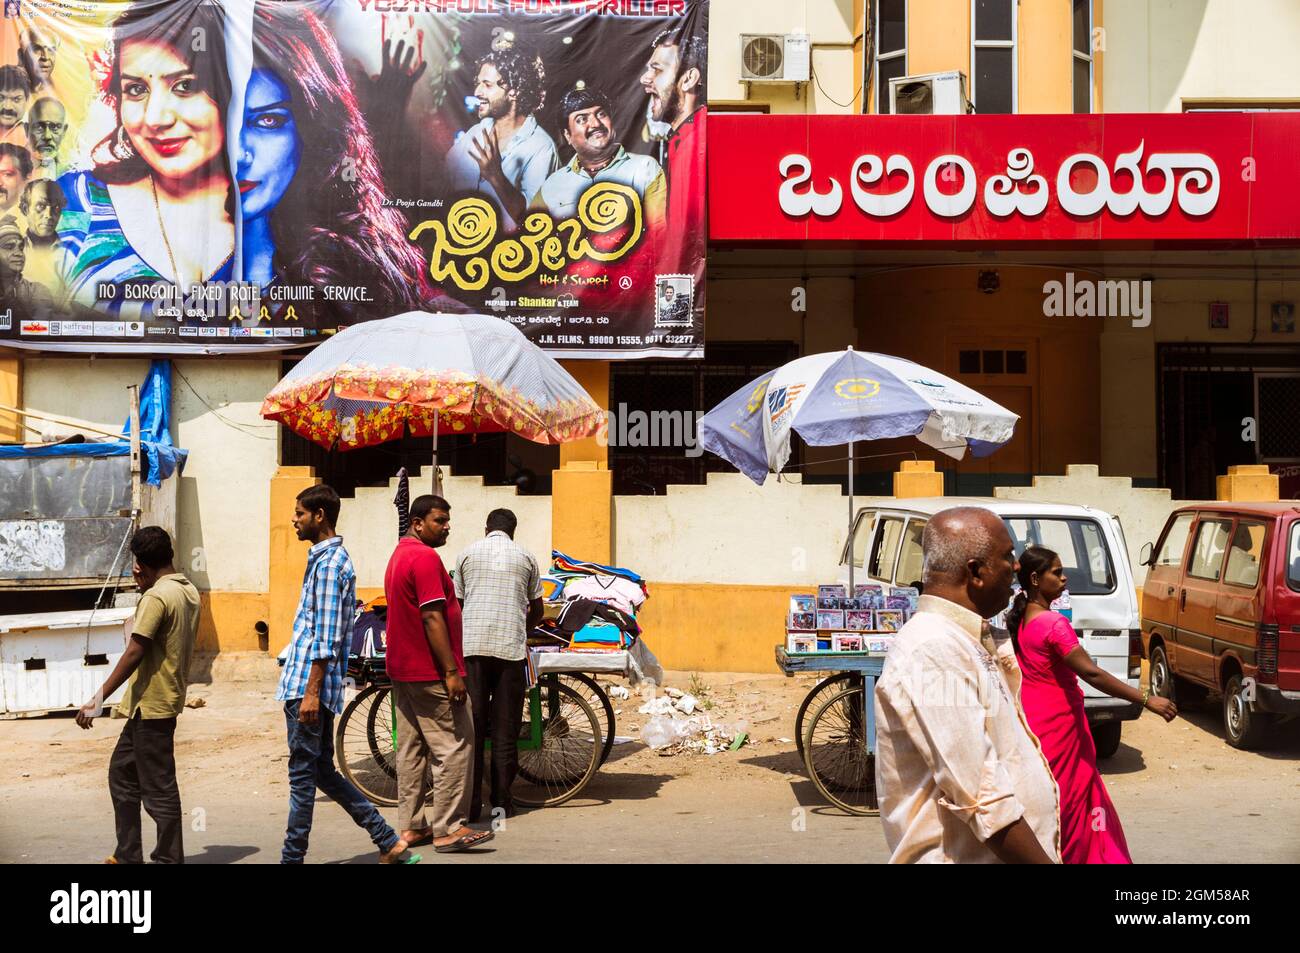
(311, 766)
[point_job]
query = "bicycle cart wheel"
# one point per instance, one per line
(590, 689)
(813, 700)
(836, 755)
(363, 745)
(568, 752)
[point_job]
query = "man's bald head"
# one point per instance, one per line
(969, 551)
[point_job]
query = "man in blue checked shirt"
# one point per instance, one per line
(311, 685)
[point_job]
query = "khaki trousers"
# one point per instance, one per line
(434, 740)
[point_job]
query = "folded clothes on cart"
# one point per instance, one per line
(579, 611)
(567, 564)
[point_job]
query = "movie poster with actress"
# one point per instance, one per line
(182, 174)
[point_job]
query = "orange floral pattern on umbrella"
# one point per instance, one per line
(393, 398)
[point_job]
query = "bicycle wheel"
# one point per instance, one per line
(590, 689)
(813, 700)
(363, 745)
(836, 755)
(569, 753)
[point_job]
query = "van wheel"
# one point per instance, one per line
(1162, 676)
(1106, 737)
(1244, 728)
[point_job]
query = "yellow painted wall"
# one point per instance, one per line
(287, 554)
(938, 37)
(594, 378)
(227, 621)
(705, 628)
(1044, 58)
(11, 394)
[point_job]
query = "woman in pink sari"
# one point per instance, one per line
(1052, 662)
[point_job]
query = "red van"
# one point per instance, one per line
(1221, 612)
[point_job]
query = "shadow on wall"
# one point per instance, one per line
(1166, 46)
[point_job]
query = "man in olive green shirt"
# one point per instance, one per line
(156, 661)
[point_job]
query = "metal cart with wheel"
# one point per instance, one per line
(835, 729)
(566, 733)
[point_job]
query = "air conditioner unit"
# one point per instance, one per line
(940, 94)
(774, 57)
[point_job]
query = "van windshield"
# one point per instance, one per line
(1079, 542)
(1293, 557)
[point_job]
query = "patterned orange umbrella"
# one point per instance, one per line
(423, 372)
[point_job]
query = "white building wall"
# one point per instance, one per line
(223, 494)
(1160, 53)
(831, 31)
(368, 522)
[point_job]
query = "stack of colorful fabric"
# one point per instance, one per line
(614, 585)
(608, 598)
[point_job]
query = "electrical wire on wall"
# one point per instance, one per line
(245, 429)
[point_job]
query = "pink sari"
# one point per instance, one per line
(1053, 703)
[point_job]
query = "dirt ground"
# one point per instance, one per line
(1182, 794)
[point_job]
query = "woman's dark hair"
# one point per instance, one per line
(331, 227)
(194, 28)
(1035, 559)
(152, 547)
(521, 71)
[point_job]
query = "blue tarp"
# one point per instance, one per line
(163, 459)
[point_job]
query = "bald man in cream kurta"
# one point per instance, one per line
(955, 760)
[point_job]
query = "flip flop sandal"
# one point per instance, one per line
(472, 839)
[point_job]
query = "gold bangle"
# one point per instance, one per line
(1146, 696)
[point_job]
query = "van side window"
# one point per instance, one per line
(1207, 551)
(911, 559)
(1171, 550)
(885, 548)
(1245, 554)
(1293, 557)
(862, 536)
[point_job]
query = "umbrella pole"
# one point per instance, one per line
(437, 479)
(851, 547)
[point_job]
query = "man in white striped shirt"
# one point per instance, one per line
(500, 589)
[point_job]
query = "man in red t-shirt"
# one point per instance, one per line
(435, 728)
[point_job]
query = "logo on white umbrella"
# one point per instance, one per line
(857, 388)
(781, 401)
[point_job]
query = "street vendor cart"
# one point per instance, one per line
(835, 728)
(566, 735)
(567, 729)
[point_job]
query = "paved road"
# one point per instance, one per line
(1182, 794)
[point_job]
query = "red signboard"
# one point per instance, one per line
(1184, 179)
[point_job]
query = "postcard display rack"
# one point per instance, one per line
(835, 621)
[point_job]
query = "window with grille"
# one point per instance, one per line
(891, 48)
(1279, 417)
(1013, 361)
(993, 56)
(650, 402)
(1081, 60)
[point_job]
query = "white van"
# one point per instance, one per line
(886, 548)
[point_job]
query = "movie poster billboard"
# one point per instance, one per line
(226, 175)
